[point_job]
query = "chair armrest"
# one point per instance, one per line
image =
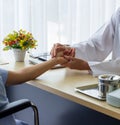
(14, 107)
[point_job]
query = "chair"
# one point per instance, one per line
(16, 106)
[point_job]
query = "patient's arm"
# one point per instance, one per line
(31, 72)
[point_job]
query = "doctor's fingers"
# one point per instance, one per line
(73, 52)
(70, 52)
(55, 49)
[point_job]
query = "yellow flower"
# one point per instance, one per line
(21, 40)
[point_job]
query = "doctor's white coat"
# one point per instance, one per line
(105, 41)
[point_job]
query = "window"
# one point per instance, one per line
(51, 21)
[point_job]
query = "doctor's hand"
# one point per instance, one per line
(62, 50)
(75, 63)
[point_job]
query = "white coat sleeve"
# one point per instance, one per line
(105, 67)
(98, 47)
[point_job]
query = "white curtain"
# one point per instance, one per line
(51, 21)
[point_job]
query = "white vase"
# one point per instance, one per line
(19, 55)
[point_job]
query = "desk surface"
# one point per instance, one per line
(62, 83)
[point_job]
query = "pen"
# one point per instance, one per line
(4, 63)
(43, 59)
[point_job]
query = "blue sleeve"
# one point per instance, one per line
(4, 75)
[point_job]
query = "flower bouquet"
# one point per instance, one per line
(20, 40)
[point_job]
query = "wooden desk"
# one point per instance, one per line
(62, 83)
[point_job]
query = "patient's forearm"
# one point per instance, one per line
(30, 73)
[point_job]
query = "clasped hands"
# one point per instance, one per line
(68, 53)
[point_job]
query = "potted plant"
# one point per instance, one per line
(19, 41)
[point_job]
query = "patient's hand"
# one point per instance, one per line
(60, 60)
